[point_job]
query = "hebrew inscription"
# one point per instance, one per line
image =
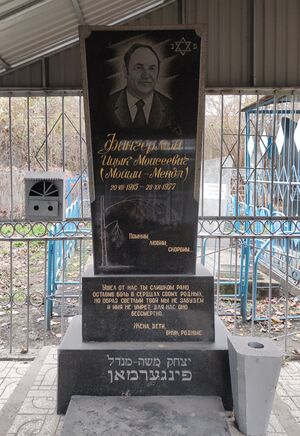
(170, 369)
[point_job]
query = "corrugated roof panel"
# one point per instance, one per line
(33, 42)
(250, 42)
(34, 37)
(229, 39)
(166, 15)
(37, 36)
(30, 76)
(48, 19)
(37, 49)
(6, 6)
(64, 67)
(104, 13)
(47, 24)
(277, 43)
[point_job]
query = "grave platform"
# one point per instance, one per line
(142, 368)
(145, 416)
(28, 403)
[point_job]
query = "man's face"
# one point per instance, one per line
(142, 72)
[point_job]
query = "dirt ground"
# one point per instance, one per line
(285, 334)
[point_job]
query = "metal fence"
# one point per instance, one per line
(42, 262)
(249, 226)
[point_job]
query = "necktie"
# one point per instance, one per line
(139, 120)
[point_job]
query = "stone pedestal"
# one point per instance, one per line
(142, 368)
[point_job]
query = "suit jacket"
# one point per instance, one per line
(161, 116)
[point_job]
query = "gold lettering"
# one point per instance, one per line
(172, 333)
(190, 332)
(138, 236)
(158, 326)
(183, 287)
(179, 249)
(159, 173)
(141, 326)
(176, 160)
(108, 160)
(115, 173)
(157, 242)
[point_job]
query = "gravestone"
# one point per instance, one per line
(214, 197)
(148, 326)
(216, 201)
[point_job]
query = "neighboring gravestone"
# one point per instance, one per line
(147, 318)
(216, 199)
(215, 177)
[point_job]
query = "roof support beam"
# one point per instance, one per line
(181, 11)
(78, 12)
(21, 10)
(4, 63)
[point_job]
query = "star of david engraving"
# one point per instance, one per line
(183, 46)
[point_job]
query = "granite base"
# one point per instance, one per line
(142, 368)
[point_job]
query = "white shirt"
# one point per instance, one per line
(132, 105)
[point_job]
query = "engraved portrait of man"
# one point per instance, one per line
(139, 106)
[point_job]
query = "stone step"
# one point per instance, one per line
(145, 416)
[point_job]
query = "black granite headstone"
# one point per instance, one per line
(148, 319)
(144, 202)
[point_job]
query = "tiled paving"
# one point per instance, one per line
(37, 414)
(11, 373)
(35, 403)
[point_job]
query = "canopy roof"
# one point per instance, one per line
(31, 29)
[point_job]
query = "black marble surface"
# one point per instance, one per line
(142, 368)
(148, 308)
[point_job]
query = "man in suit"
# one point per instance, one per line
(139, 107)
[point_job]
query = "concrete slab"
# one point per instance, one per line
(145, 416)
